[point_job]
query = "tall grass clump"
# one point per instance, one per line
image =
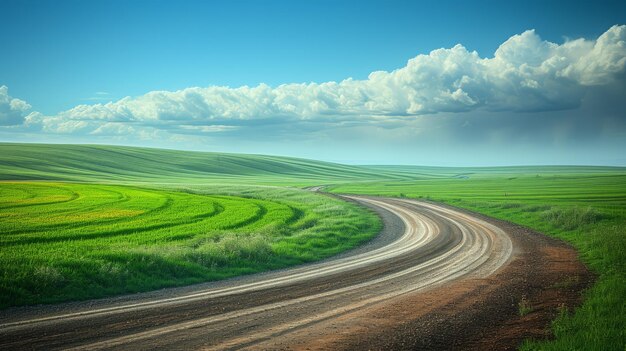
(571, 218)
(222, 251)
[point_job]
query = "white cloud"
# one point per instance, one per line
(100, 96)
(601, 62)
(12, 111)
(112, 128)
(525, 74)
(208, 129)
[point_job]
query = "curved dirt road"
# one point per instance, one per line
(427, 251)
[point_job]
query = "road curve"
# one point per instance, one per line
(435, 246)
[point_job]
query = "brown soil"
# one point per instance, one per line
(473, 314)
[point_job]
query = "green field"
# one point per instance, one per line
(86, 221)
(121, 164)
(115, 164)
(587, 209)
(66, 241)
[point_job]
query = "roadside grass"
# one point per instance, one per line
(64, 241)
(586, 210)
(571, 218)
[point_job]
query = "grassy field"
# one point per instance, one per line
(115, 164)
(64, 241)
(121, 164)
(587, 209)
(201, 220)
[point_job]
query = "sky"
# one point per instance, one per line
(450, 83)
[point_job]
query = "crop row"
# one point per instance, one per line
(64, 241)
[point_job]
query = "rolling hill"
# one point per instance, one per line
(106, 163)
(120, 163)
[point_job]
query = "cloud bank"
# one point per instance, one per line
(526, 74)
(12, 111)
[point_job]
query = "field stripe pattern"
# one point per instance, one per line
(73, 241)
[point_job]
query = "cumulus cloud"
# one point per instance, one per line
(12, 111)
(526, 74)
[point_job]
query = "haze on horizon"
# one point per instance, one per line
(376, 82)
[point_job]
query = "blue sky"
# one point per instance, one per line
(60, 55)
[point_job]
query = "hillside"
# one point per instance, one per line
(106, 163)
(120, 163)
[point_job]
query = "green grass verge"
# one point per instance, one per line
(64, 241)
(587, 210)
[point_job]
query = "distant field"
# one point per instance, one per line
(104, 163)
(120, 164)
(605, 189)
(587, 209)
(63, 241)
